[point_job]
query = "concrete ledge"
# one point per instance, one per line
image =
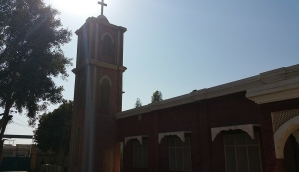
(282, 90)
(87, 62)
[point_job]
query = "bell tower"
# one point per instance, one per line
(97, 96)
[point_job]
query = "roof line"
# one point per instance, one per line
(276, 75)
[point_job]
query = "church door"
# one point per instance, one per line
(296, 152)
(109, 160)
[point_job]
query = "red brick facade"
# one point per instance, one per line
(199, 118)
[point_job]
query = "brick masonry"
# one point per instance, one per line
(199, 117)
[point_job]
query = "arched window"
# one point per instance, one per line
(77, 147)
(105, 93)
(107, 45)
(81, 94)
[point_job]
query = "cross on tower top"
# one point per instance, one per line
(102, 6)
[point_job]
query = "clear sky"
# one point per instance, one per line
(176, 46)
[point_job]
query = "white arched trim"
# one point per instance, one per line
(139, 138)
(248, 128)
(106, 33)
(180, 134)
(105, 77)
(282, 134)
(296, 135)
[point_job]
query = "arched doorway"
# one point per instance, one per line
(286, 139)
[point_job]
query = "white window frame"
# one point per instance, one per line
(183, 146)
(141, 149)
(246, 145)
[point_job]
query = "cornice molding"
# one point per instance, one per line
(284, 80)
(97, 63)
(282, 90)
(96, 20)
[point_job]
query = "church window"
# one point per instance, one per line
(105, 93)
(179, 154)
(81, 94)
(140, 154)
(242, 153)
(107, 46)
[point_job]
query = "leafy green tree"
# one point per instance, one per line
(54, 130)
(157, 96)
(31, 36)
(138, 103)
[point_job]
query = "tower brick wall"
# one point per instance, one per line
(98, 96)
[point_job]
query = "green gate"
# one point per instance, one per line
(15, 164)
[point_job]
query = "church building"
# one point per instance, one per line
(249, 125)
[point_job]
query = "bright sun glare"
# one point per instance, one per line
(78, 7)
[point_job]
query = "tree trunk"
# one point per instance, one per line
(1, 150)
(3, 123)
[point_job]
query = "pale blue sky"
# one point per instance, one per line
(177, 46)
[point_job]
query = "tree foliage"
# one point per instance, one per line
(31, 37)
(157, 96)
(54, 129)
(138, 103)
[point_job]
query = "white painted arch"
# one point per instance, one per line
(106, 33)
(248, 128)
(180, 134)
(139, 138)
(105, 77)
(282, 134)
